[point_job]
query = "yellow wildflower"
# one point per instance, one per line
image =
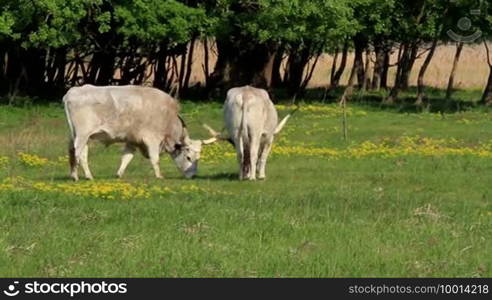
(32, 160)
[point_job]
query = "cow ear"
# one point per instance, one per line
(185, 138)
(170, 146)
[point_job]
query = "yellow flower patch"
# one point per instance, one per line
(4, 161)
(216, 153)
(104, 189)
(415, 146)
(32, 160)
(325, 110)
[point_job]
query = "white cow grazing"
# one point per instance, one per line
(252, 122)
(142, 118)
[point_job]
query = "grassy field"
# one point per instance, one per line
(409, 194)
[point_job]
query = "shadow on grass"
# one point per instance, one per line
(462, 100)
(219, 176)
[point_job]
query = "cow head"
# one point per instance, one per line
(187, 153)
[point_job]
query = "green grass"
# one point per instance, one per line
(314, 216)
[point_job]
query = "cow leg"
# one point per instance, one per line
(254, 147)
(73, 161)
(267, 147)
(153, 150)
(240, 157)
(85, 162)
(76, 152)
(126, 158)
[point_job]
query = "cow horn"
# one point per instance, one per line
(211, 131)
(215, 135)
(281, 125)
(209, 141)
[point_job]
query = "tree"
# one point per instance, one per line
(485, 25)
(415, 24)
(374, 18)
(156, 32)
(487, 94)
(250, 33)
(87, 41)
(36, 41)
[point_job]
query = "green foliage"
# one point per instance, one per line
(127, 29)
(374, 17)
(46, 23)
(153, 21)
(56, 23)
(6, 23)
(287, 21)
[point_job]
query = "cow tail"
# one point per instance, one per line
(69, 120)
(71, 146)
(244, 140)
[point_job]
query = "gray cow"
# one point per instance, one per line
(142, 118)
(252, 122)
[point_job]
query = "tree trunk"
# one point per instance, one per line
(403, 64)
(310, 70)
(298, 60)
(420, 81)
(367, 79)
(359, 44)
(407, 70)
(102, 68)
(55, 74)
(277, 63)
(50, 66)
(449, 91)
(206, 58)
(25, 71)
(13, 71)
(160, 68)
(189, 65)
(385, 71)
(378, 66)
(335, 81)
(182, 70)
(487, 93)
(62, 64)
(399, 65)
(127, 66)
(350, 86)
(243, 63)
(334, 65)
(3, 69)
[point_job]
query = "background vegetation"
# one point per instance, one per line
(50, 45)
